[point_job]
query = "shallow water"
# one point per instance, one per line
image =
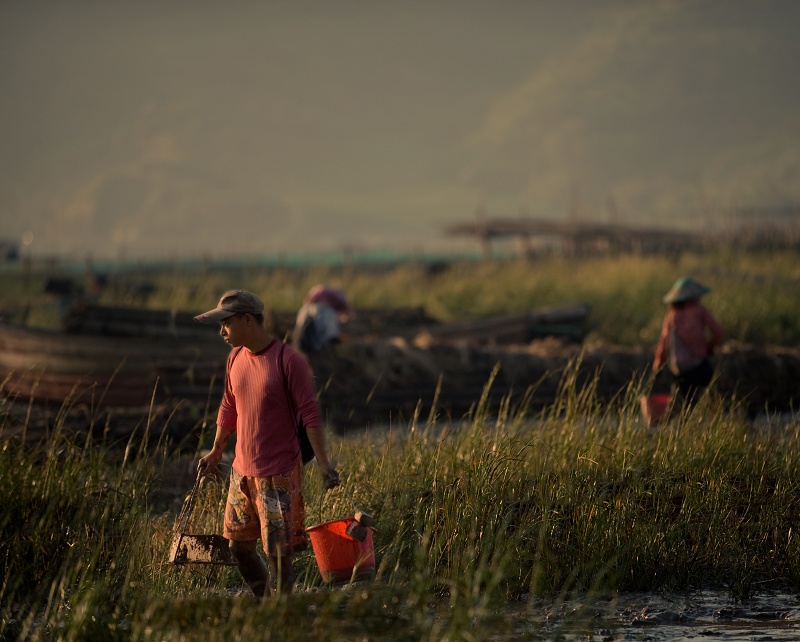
(706, 615)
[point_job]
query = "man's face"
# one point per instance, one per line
(232, 329)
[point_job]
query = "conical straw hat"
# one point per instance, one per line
(685, 289)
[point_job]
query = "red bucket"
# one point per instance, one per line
(654, 407)
(340, 557)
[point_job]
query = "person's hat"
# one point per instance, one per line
(334, 297)
(233, 302)
(685, 289)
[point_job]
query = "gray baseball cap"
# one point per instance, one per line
(233, 302)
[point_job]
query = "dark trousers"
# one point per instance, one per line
(690, 385)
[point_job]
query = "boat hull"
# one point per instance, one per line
(54, 366)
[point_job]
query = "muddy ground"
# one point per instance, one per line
(391, 379)
(391, 368)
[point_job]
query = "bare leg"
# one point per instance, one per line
(251, 566)
(281, 567)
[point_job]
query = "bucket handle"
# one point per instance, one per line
(347, 490)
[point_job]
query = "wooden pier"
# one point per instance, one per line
(576, 238)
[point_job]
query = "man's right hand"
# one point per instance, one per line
(208, 465)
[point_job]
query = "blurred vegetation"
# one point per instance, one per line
(753, 293)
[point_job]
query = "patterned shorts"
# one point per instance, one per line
(267, 507)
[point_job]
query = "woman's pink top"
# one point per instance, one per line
(696, 327)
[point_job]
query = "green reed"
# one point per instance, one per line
(66, 530)
(580, 498)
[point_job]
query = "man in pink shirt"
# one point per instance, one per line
(266, 384)
(689, 336)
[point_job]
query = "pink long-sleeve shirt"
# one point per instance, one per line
(255, 405)
(696, 327)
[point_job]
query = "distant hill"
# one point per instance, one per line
(158, 129)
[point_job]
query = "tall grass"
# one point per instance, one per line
(576, 499)
(68, 515)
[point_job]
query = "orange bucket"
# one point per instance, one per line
(340, 557)
(654, 407)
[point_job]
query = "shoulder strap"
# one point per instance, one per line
(292, 410)
(234, 353)
(286, 386)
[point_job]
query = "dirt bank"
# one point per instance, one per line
(378, 381)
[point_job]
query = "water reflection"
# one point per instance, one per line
(706, 615)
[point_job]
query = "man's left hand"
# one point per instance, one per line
(330, 478)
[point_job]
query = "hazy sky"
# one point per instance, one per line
(167, 128)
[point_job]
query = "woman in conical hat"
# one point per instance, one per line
(689, 336)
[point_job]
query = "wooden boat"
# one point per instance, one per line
(565, 321)
(129, 357)
(112, 366)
